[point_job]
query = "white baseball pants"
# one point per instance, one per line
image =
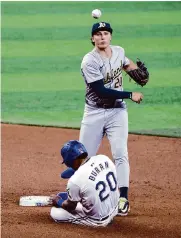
(79, 217)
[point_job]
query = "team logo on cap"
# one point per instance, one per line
(102, 24)
(81, 150)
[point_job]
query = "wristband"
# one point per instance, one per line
(130, 96)
(59, 202)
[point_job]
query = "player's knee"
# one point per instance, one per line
(56, 213)
(121, 159)
(60, 214)
(120, 153)
(53, 213)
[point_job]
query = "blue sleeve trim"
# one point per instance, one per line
(59, 202)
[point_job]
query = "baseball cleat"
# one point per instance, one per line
(123, 207)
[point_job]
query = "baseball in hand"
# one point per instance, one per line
(96, 13)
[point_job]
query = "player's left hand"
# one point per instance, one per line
(142, 66)
(54, 199)
(141, 74)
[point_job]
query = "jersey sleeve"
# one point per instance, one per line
(126, 61)
(91, 72)
(73, 191)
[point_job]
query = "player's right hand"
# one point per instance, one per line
(137, 97)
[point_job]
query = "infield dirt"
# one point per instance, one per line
(31, 166)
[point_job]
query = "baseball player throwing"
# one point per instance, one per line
(92, 191)
(105, 110)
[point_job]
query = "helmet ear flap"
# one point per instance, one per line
(68, 163)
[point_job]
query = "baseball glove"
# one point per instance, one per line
(139, 75)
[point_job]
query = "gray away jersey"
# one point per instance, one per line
(94, 67)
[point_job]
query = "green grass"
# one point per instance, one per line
(36, 81)
(42, 47)
(47, 100)
(57, 33)
(63, 64)
(20, 8)
(52, 20)
(46, 48)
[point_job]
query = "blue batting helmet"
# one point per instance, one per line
(71, 151)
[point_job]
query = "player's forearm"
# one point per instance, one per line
(68, 206)
(59, 202)
(131, 66)
(114, 94)
(102, 92)
(65, 205)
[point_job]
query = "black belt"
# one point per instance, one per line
(108, 106)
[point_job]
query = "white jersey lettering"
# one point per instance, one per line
(97, 170)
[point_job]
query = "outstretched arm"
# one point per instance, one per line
(102, 92)
(130, 66)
